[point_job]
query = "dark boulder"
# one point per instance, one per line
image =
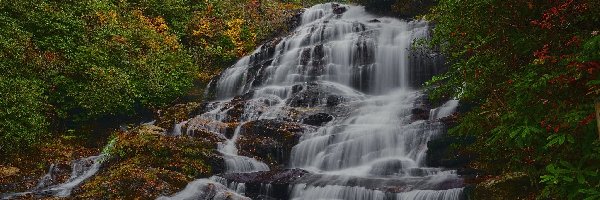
(283, 176)
(389, 167)
(333, 100)
(317, 119)
(315, 94)
(338, 9)
(268, 184)
(308, 96)
(424, 63)
(441, 154)
(419, 114)
(269, 140)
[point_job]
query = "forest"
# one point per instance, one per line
(83, 79)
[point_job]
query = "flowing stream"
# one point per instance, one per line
(359, 71)
(350, 81)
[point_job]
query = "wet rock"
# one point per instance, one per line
(424, 63)
(337, 9)
(269, 140)
(208, 129)
(167, 118)
(374, 21)
(278, 181)
(317, 119)
(393, 185)
(314, 94)
(309, 96)
(333, 100)
(235, 107)
(389, 167)
(297, 88)
(419, 114)
(57, 173)
(440, 153)
(284, 176)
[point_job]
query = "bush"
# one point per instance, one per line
(22, 120)
(532, 68)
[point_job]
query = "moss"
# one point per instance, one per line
(22, 170)
(147, 164)
(168, 117)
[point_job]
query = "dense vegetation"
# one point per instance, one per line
(144, 163)
(531, 70)
(67, 64)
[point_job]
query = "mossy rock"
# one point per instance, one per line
(146, 164)
(270, 141)
(515, 185)
(167, 118)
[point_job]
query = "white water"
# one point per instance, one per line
(82, 169)
(374, 149)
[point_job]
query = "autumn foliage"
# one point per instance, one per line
(68, 65)
(531, 70)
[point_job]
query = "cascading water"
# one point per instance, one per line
(356, 70)
(82, 169)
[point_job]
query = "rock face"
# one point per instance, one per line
(318, 119)
(425, 63)
(338, 10)
(440, 153)
(167, 118)
(268, 184)
(270, 140)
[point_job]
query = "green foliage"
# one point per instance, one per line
(90, 61)
(532, 69)
(22, 119)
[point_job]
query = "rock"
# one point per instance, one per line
(317, 119)
(8, 171)
(308, 96)
(419, 114)
(269, 140)
(374, 21)
(57, 173)
(424, 63)
(440, 153)
(389, 167)
(278, 180)
(450, 121)
(151, 130)
(202, 127)
(167, 118)
(515, 185)
(337, 9)
(315, 94)
(283, 176)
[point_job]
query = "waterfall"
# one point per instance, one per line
(358, 71)
(82, 169)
